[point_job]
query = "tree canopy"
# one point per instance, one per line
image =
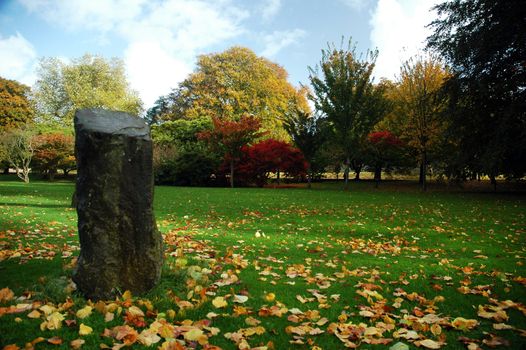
(15, 107)
(233, 83)
(345, 93)
(484, 42)
(418, 106)
(88, 81)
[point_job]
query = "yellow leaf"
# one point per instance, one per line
(270, 297)
(135, 311)
(108, 317)
(77, 343)
(148, 337)
(127, 295)
(54, 321)
(34, 314)
(502, 326)
(219, 302)
(47, 310)
(430, 344)
(193, 334)
(464, 324)
(84, 312)
(85, 330)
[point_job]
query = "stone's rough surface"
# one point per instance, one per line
(120, 246)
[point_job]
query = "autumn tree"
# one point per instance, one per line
(233, 83)
(484, 42)
(88, 81)
(343, 90)
(53, 152)
(230, 136)
(268, 156)
(15, 107)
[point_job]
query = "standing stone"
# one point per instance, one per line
(120, 246)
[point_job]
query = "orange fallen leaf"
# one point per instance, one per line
(55, 340)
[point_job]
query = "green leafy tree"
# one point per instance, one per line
(230, 136)
(88, 81)
(343, 90)
(233, 83)
(309, 134)
(484, 42)
(417, 116)
(180, 158)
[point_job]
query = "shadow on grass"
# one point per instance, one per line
(35, 205)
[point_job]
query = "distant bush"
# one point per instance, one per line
(53, 152)
(185, 166)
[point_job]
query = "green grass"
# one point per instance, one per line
(392, 237)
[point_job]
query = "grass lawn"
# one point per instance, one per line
(278, 269)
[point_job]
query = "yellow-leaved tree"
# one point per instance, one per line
(234, 83)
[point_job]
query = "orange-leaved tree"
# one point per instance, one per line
(230, 136)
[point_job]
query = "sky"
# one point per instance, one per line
(159, 40)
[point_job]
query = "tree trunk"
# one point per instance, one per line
(357, 169)
(346, 173)
(493, 181)
(6, 170)
(423, 171)
(377, 175)
(277, 177)
(232, 173)
(309, 178)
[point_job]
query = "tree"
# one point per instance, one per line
(15, 107)
(383, 149)
(233, 83)
(230, 136)
(88, 81)
(345, 93)
(261, 159)
(484, 42)
(180, 158)
(53, 152)
(418, 108)
(309, 133)
(18, 146)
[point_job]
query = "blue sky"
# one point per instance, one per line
(160, 40)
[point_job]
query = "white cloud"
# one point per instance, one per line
(159, 35)
(270, 8)
(17, 59)
(278, 40)
(398, 31)
(152, 70)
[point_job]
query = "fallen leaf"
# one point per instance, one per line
(77, 343)
(55, 341)
(6, 294)
(135, 311)
(84, 312)
(34, 314)
(85, 330)
(430, 344)
(219, 302)
(240, 299)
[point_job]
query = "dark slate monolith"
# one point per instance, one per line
(120, 246)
